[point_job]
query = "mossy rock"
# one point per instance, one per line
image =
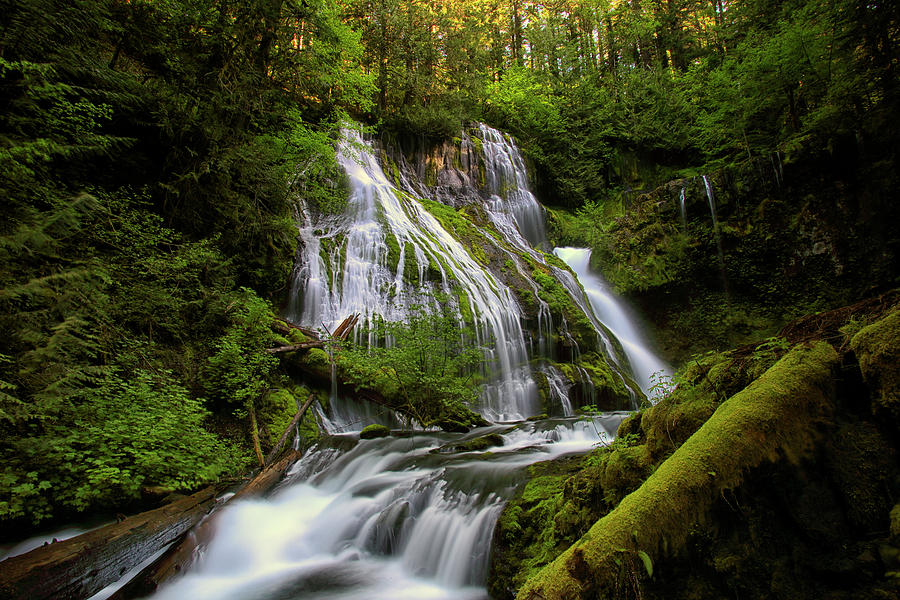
(877, 348)
(478, 444)
(373, 431)
(780, 416)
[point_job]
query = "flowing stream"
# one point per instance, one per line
(412, 516)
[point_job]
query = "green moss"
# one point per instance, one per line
(877, 348)
(317, 362)
(563, 307)
(478, 444)
(463, 229)
(277, 411)
(374, 431)
(775, 417)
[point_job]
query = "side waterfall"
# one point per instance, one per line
(648, 369)
(412, 517)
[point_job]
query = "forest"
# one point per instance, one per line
(156, 158)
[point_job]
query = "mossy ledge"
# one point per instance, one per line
(777, 416)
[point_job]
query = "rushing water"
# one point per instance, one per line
(390, 518)
(648, 369)
(412, 517)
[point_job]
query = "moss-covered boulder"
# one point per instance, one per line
(373, 431)
(877, 348)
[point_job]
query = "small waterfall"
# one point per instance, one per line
(644, 364)
(777, 168)
(508, 184)
(682, 205)
(387, 519)
(715, 223)
(558, 390)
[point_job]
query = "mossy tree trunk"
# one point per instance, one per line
(778, 416)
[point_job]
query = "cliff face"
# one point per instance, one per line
(788, 239)
(770, 472)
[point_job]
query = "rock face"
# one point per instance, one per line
(770, 472)
(793, 240)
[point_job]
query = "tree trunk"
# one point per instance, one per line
(83, 565)
(290, 428)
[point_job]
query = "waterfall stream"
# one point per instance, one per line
(412, 517)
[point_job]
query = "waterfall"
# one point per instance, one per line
(682, 205)
(648, 369)
(508, 185)
(715, 223)
(365, 279)
(387, 519)
(413, 516)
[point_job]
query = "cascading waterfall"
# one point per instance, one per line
(508, 185)
(391, 518)
(682, 205)
(648, 369)
(715, 223)
(413, 516)
(364, 281)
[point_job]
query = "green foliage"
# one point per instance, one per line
(427, 369)
(108, 442)
(240, 369)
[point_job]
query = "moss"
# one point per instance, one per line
(877, 348)
(563, 307)
(478, 444)
(374, 431)
(527, 536)
(463, 229)
(277, 412)
(775, 417)
(316, 362)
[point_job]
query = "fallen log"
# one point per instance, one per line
(346, 326)
(293, 347)
(181, 555)
(283, 326)
(779, 416)
(290, 427)
(81, 566)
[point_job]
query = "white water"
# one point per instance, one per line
(645, 365)
(388, 519)
(715, 223)
(507, 181)
(682, 204)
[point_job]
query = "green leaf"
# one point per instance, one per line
(648, 564)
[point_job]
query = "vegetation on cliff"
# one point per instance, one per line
(767, 470)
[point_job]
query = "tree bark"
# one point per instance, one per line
(83, 565)
(290, 428)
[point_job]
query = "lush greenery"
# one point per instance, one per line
(150, 159)
(154, 156)
(426, 367)
(719, 492)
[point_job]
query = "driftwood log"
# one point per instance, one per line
(181, 555)
(294, 347)
(81, 566)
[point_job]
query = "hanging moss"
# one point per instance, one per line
(777, 416)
